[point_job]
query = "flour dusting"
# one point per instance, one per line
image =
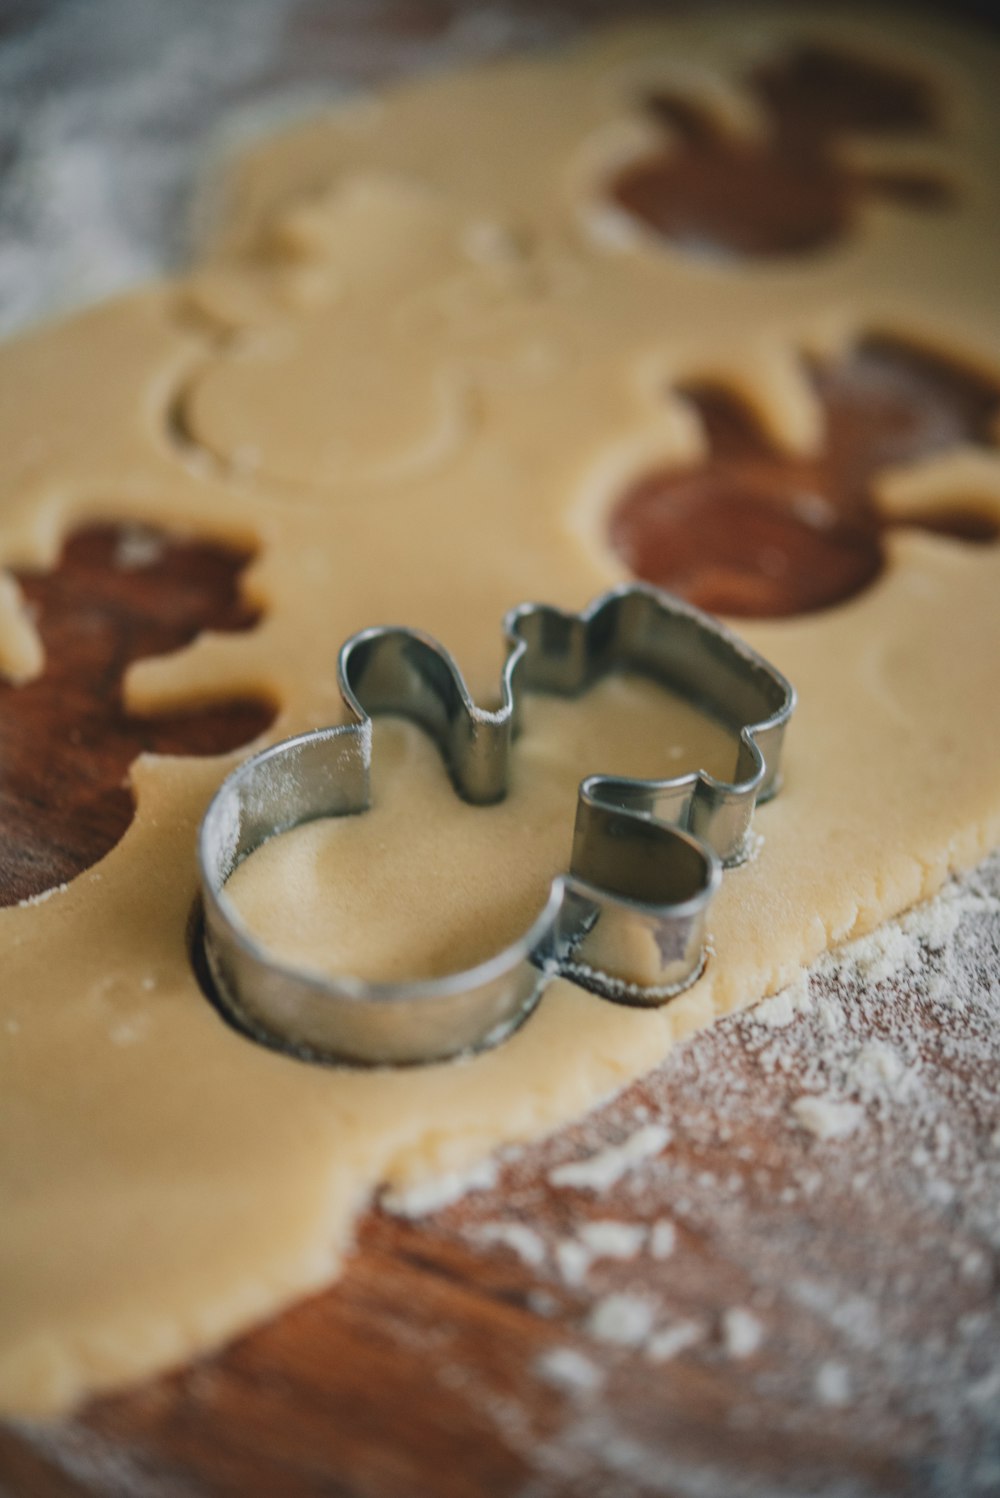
(439, 1191)
(850, 1236)
(608, 1166)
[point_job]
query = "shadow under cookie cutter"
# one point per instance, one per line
(647, 855)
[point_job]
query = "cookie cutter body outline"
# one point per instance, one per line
(647, 855)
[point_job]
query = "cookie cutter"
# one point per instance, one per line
(647, 855)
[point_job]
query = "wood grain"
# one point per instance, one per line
(754, 531)
(67, 739)
(790, 191)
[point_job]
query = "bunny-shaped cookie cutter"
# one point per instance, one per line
(647, 855)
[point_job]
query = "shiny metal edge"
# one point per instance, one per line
(647, 854)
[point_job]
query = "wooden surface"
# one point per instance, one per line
(869, 1266)
(66, 740)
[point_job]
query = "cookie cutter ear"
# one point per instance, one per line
(626, 920)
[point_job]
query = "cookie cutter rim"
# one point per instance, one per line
(693, 820)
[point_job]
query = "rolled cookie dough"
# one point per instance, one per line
(416, 373)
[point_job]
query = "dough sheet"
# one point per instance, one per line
(421, 362)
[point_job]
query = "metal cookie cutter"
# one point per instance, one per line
(646, 856)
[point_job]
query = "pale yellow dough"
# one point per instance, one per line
(445, 883)
(416, 371)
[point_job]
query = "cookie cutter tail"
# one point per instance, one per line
(627, 919)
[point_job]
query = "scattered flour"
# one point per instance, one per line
(565, 1368)
(879, 1069)
(605, 1239)
(605, 1169)
(138, 546)
(854, 1317)
(524, 1241)
(622, 1319)
(895, 1319)
(833, 1385)
(573, 1261)
(613, 1240)
(885, 954)
(439, 1191)
(742, 1333)
(662, 1238)
(827, 1118)
(40, 899)
(781, 1008)
(664, 1345)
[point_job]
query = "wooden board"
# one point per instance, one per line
(839, 1298)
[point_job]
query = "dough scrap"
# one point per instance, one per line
(165, 1183)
